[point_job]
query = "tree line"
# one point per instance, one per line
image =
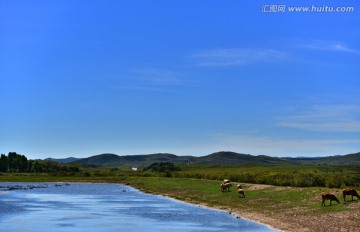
(290, 178)
(162, 167)
(14, 162)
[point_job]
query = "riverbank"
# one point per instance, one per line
(238, 214)
(282, 208)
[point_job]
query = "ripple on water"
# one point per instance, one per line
(108, 207)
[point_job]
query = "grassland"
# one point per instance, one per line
(288, 208)
(285, 208)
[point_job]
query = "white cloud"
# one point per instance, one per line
(325, 118)
(237, 57)
(331, 46)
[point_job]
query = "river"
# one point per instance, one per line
(105, 207)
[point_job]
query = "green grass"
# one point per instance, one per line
(267, 200)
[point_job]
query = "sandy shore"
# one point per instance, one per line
(238, 214)
(258, 218)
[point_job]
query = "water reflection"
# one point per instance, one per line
(107, 207)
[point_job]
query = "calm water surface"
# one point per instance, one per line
(106, 207)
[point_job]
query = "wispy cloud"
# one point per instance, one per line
(151, 79)
(158, 76)
(324, 118)
(331, 46)
(237, 57)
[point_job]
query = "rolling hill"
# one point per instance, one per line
(222, 157)
(134, 160)
(341, 160)
(66, 160)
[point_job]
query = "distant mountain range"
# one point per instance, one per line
(222, 157)
(66, 160)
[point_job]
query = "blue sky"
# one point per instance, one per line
(80, 78)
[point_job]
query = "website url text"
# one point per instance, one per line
(306, 9)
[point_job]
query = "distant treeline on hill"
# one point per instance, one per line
(14, 162)
(162, 167)
(222, 157)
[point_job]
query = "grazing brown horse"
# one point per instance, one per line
(329, 196)
(241, 193)
(351, 192)
(225, 186)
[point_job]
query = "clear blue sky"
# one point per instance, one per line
(80, 78)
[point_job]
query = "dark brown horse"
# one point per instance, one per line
(351, 192)
(329, 196)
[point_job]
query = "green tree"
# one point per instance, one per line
(36, 167)
(12, 161)
(24, 163)
(162, 167)
(4, 163)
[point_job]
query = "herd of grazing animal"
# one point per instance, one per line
(345, 192)
(226, 185)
